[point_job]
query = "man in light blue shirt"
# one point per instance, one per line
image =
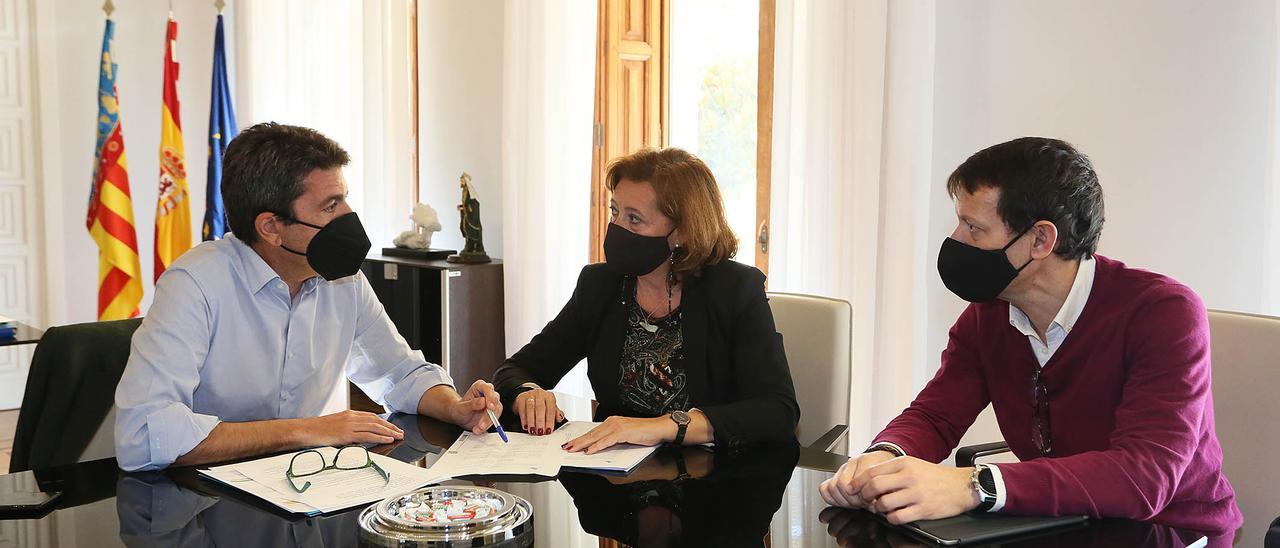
(248, 336)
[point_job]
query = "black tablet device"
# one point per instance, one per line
(20, 495)
(982, 527)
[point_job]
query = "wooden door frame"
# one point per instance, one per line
(764, 133)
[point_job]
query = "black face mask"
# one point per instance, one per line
(338, 249)
(974, 274)
(632, 254)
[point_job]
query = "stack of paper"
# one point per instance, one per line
(538, 455)
(330, 490)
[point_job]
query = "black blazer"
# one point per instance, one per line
(734, 361)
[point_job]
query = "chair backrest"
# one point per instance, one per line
(1246, 352)
(70, 390)
(817, 334)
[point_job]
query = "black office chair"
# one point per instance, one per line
(70, 389)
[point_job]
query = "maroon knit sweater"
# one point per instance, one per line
(1131, 413)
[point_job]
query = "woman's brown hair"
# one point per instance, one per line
(689, 196)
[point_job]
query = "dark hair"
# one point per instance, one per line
(264, 169)
(1040, 179)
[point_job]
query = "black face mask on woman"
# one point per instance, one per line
(338, 249)
(632, 254)
(974, 274)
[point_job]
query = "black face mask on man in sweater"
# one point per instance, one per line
(974, 274)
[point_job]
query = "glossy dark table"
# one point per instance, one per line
(731, 498)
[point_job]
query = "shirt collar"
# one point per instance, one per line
(1072, 307)
(257, 273)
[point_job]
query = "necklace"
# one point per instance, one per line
(645, 320)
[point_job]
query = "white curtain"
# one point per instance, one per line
(1271, 223)
(852, 151)
(548, 97)
(342, 68)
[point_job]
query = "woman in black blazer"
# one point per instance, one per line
(679, 340)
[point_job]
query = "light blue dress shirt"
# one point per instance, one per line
(223, 341)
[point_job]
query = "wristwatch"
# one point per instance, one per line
(681, 419)
(984, 483)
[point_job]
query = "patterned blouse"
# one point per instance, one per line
(652, 380)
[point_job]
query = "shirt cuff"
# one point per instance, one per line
(174, 431)
(1000, 492)
(889, 445)
(404, 396)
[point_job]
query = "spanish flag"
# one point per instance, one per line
(110, 218)
(173, 208)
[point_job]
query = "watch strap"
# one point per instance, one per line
(886, 447)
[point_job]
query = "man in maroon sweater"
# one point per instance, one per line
(1099, 373)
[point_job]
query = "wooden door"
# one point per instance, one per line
(631, 93)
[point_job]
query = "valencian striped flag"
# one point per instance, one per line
(222, 129)
(173, 208)
(110, 218)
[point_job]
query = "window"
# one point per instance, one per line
(714, 95)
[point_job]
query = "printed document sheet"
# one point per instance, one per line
(486, 453)
(330, 490)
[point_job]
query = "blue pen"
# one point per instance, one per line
(501, 432)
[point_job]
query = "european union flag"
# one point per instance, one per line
(222, 129)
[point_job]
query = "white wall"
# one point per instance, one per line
(69, 43)
(1171, 101)
(460, 113)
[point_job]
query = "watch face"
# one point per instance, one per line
(986, 483)
(680, 417)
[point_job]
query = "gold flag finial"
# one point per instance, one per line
(108, 7)
(219, 4)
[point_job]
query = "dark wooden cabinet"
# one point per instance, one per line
(451, 312)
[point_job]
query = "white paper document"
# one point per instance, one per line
(486, 453)
(619, 458)
(233, 478)
(330, 490)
